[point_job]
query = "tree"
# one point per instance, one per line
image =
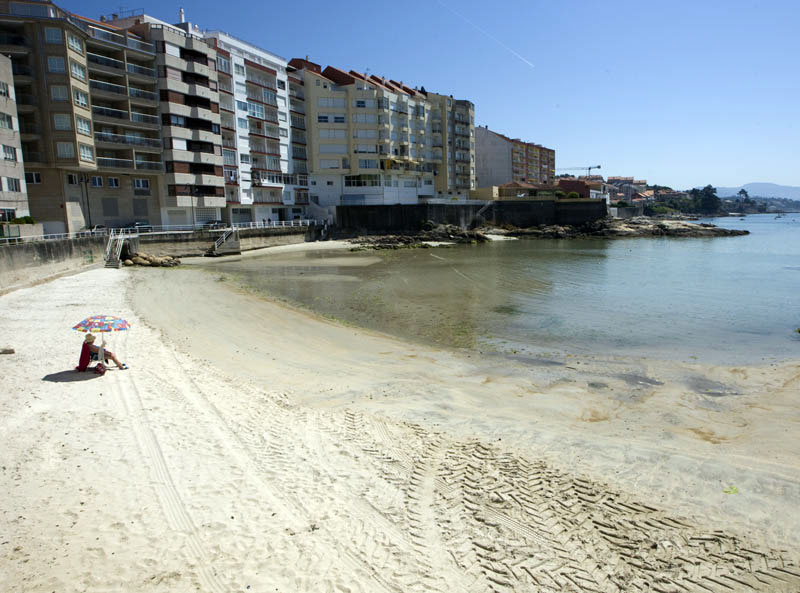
(559, 194)
(573, 195)
(743, 194)
(709, 202)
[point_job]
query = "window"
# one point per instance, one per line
(281, 116)
(113, 182)
(9, 153)
(74, 43)
(239, 69)
(281, 85)
(62, 121)
(244, 158)
(339, 118)
(330, 102)
(228, 157)
(365, 118)
(223, 64)
(368, 103)
(141, 184)
(367, 148)
(329, 163)
(72, 179)
(368, 163)
(97, 182)
(12, 184)
(6, 122)
(322, 118)
(77, 70)
(33, 177)
(59, 93)
(242, 122)
(332, 133)
(65, 150)
(333, 148)
(254, 109)
(52, 35)
(283, 132)
(365, 134)
(84, 125)
(3, 89)
(81, 99)
(55, 64)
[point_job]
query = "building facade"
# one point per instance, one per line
(13, 193)
(263, 133)
(372, 140)
(501, 159)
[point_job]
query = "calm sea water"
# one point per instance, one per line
(729, 299)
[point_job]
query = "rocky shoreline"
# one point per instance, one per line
(607, 228)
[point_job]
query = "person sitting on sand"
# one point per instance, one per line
(90, 352)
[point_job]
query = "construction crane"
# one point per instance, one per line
(587, 169)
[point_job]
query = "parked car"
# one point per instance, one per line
(142, 227)
(215, 224)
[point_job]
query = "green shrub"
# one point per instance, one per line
(559, 193)
(573, 195)
(621, 204)
(23, 220)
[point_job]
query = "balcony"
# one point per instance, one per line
(14, 43)
(144, 118)
(109, 112)
(142, 94)
(149, 166)
(104, 64)
(141, 70)
(31, 156)
(109, 163)
(127, 140)
(26, 102)
(20, 70)
(120, 40)
(107, 87)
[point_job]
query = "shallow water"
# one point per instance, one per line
(727, 300)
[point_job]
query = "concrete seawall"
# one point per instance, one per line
(25, 264)
(527, 213)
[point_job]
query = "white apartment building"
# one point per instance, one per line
(375, 141)
(262, 118)
(13, 193)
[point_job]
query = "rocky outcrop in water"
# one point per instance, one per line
(634, 227)
(443, 233)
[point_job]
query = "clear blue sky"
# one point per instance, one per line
(682, 92)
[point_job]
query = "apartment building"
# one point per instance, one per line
(87, 114)
(372, 140)
(262, 114)
(13, 193)
(501, 159)
(193, 187)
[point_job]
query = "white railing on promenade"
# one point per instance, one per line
(147, 229)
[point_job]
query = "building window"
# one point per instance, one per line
(141, 184)
(329, 163)
(6, 122)
(9, 153)
(4, 89)
(282, 85)
(52, 35)
(97, 181)
(87, 152)
(281, 116)
(333, 148)
(81, 99)
(59, 93)
(65, 150)
(242, 122)
(62, 121)
(55, 64)
(72, 179)
(12, 184)
(322, 118)
(339, 118)
(77, 70)
(244, 158)
(368, 163)
(113, 182)
(283, 132)
(33, 178)
(84, 125)
(238, 69)
(74, 43)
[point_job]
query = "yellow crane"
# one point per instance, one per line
(587, 169)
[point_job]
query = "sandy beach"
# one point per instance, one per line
(253, 447)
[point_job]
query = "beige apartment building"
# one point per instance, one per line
(13, 194)
(501, 160)
(372, 140)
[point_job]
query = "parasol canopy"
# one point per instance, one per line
(102, 323)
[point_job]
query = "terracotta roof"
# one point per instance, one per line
(87, 19)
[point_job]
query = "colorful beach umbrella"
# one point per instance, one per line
(102, 323)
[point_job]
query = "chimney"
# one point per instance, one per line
(182, 15)
(114, 16)
(306, 57)
(103, 19)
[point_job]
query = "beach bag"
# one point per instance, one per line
(100, 368)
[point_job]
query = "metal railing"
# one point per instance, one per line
(144, 118)
(143, 70)
(53, 237)
(21, 69)
(142, 94)
(151, 165)
(105, 61)
(110, 112)
(114, 163)
(126, 139)
(108, 87)
(11, 39)
(122, 40)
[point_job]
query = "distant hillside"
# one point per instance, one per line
(762, 190)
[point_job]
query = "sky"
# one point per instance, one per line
(682, 93)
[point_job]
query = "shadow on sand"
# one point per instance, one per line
(70, 376)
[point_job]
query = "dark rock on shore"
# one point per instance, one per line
(634, 227)
(433, 234)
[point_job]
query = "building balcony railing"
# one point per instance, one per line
(149, 165)
(104, 61)
(144, 71)
(32, 156)
(117, 39)
(110, 112)
(127, 139)
(108, 87)
(114, 163)
(144, 118)
(12, 39)
(29, 128)
(24, 99)
(142, 94)
(21, 70)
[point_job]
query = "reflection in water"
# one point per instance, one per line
(725, 299)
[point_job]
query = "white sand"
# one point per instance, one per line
(255, 448)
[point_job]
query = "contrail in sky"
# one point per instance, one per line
(489, 35)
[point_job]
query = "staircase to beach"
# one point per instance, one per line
(113, 254)
(226, 244)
